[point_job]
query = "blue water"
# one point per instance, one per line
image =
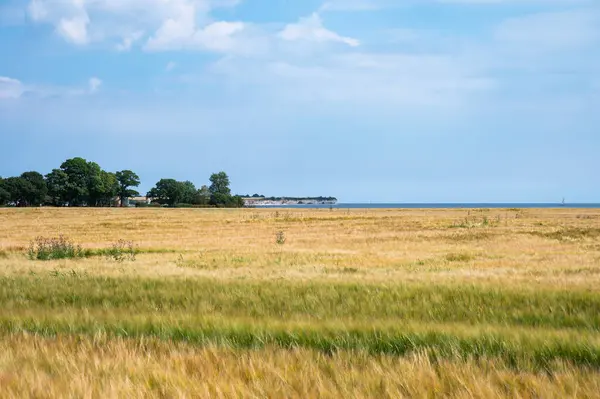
(440, 206)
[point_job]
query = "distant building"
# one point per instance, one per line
(132, 201)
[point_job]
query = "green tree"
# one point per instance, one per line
(34, 189)
(87, 183)
(4, 194)
(188, 192)
(103, 188)
(167, 192)
(219, 184)
(17, 189)
(220, 191)
(79, 178)
(127, 179)
(203, 196)
(57, 182)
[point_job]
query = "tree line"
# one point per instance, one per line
(79, 182)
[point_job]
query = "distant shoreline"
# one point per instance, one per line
(436, 206)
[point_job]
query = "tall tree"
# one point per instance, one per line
(221, 193)
(203, 196)
(127, 179)
(219, 184)
(79, 175)
(4, 194)
(34, 189)
(103, 188)
(17, 188)
(188, 192)
(57, 182)
(167, 192)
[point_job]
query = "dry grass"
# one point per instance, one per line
(414, 303)
(112, 368)
(553, 247)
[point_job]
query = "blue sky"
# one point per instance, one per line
(366, 100)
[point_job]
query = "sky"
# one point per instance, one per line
(365, 100)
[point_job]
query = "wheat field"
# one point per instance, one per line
(302, 303)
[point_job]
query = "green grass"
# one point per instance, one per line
(520, 349)
(526, 327)
(471, 304)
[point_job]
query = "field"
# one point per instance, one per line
(302, 303)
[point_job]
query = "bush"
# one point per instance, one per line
(146, 205)
(280, 238)
(54, 248)
(121, 251)
(192, 206)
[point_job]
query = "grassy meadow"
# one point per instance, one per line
(302, 303)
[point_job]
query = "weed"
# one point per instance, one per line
(280, 238)
(469, 236)
(54, 248)
(459, 257)
(470, 222)
(121, 251)
(569, 234)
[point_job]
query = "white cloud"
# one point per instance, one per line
(37, 10)
(170, 66)
(356, 5)
(552, 31)
(129, 40)
(74, 29)
(94, 84)
(311, 28)
(370, 5)
(10, 88)
(161, 24)
(373, 80)
(183, 34)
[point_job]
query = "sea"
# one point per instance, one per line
(437, 206)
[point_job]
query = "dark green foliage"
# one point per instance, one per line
(4, 194)
(188, 192)
(54, 248)
(219, 184)
(167, 192)
(14, 186)
(81, 183)
(203, 196)
(125, 180)
(79, 176)
(29, 189)
(103, 188)
(34, 189)
(57, 182)
(221, 193)
(173, 193)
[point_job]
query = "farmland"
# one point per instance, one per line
(302, 303)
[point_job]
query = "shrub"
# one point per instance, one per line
(459, 257)
(146, 205)
(280, 238)
(121, 251)
(54, 248)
